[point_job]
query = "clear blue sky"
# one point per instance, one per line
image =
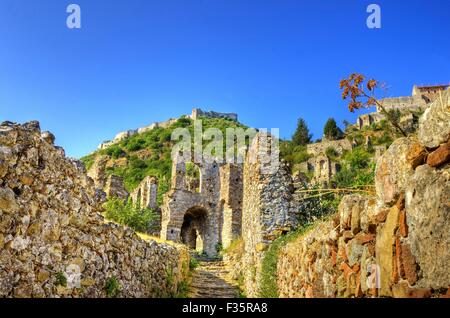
(136, 62)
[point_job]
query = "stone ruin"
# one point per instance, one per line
(146, 193)
(196, 114)
(322, 167)
(421, 99)
(208, 217)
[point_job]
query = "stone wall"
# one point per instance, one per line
(146, 193)
(266, 212)
(54, 242)
(191, 216)
(231, 195)
(392, 245)
(198, 113)
(320, 147)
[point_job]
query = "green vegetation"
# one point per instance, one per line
(331, 131)
(130, 214)
(61, 279)
(293, 154)
(112, 287)
(358, 169)
(301, 136)
(193, 263)
(332, 153)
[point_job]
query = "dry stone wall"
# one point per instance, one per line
(54, 242)
(267, 212)
(393, 245)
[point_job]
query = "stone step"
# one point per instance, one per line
(210, 281)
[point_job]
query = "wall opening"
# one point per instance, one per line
(193, 228)
(192, 177)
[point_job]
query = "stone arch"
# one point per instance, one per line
(194, 227)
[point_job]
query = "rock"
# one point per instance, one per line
(8, 202)
(402, 290)
(261, 247)
(385, 250)
(434, 127)
(48, 137)
(428, 220)
(32, 125)
(408, 264)
(355, 250)
(3, 168)
(393, 171)
(417, 155)
(439, 156)
(402, 223)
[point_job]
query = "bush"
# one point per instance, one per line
(112, 287)
(114, 151)
(130, 214)
(135, 144)
(358, 169)
(331, 153)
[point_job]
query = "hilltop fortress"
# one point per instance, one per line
(409, 106)
(196, 114)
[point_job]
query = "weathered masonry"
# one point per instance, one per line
(206, 213)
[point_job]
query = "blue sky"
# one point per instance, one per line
(136, 62)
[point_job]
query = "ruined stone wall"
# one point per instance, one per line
(180, 202)
(266, 210)
(50, 228)
(197, 113)
(392, 245)
(320, 147)
(146, 193)
(231, 195)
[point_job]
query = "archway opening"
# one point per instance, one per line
(193, 228)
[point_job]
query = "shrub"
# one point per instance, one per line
(193, 263)
(112, 287)
(358, 169)
(331, 152)
(130, 214)
(114, 151)
(61, 279)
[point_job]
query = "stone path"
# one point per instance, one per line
(210, 281)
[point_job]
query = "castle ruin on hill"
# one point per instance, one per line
(195, 114)
(420, 99)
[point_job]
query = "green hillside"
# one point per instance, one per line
(149, 153)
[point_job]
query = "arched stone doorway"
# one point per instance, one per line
(194, 228)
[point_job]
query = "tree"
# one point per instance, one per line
(331, 131)
(301, 136)
(353, 88)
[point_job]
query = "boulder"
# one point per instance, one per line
(393, 171)
(439, 156)
(434, 125)
(385, 250)
(428, 219)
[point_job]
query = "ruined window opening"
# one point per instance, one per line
(192, 177)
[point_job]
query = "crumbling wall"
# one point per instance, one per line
(266, 212)
(180, 202)
(231, 195)
(53, 240)
(146, 193)
(392, 245)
